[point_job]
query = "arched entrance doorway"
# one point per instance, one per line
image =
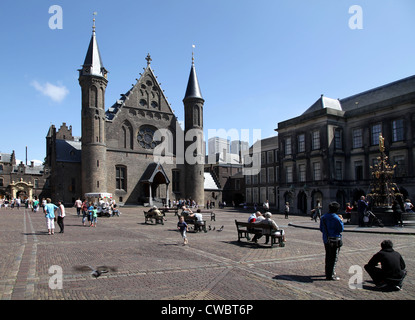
(288, 197)
(21, 189)
(316, 195)
(153, 177)
(302, 202)
(341, 198)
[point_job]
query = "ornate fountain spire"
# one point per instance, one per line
(383, 190)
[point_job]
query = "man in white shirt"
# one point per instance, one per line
(78, 206)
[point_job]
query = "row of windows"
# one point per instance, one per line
(270, 175)
(260, 195)
(267, 157)
(375, 131)
(315, 142)
(397, 134)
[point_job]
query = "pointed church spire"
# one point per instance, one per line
(193, 89)
(93, 62)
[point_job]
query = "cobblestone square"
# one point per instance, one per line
(152, 264)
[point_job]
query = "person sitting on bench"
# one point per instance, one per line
(267, 233)
(156, 213)
(199, 219)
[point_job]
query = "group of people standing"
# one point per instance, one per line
(16, 202)
(89, 210)
(54, 213)
(363, 210)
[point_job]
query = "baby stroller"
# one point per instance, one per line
(373, 219)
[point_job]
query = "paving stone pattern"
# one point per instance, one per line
(151, 262)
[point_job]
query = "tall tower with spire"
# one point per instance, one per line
(194, 151)
(93, 82)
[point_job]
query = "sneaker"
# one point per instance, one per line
(334, 278)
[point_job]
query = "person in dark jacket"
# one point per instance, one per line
(391, 271)
(362, 206)
(331, 226)
(397, 211)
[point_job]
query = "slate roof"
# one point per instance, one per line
(388, 91)
(151, 171)
(68, 151)
(324, 102)
(93, 59)
(193, 88)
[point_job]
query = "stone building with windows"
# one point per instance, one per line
(326, 153)
(135, 149)
(264, 185)
(21, 180)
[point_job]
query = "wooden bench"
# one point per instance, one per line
(196, 223)
(164, 210)
(246, 228)
(148, 216)
(212, 214)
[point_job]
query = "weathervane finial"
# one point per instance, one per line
(148, 58)
(193, 54)
(93, 21)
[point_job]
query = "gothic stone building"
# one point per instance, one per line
(21, 180)
(116, 152)
(326, 153)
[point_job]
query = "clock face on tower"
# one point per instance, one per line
(145, 138)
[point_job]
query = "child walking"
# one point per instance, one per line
(94, 216)
(182, 226)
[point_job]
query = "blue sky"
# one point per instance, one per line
(258, 62)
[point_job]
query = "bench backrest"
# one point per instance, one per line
(252, 225)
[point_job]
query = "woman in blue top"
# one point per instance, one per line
(49, 210)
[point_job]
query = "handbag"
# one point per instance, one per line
(333, 242)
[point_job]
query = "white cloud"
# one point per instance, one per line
(56, 93)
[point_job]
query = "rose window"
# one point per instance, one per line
(145, 138)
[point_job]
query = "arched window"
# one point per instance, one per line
(93, 97)
(102, 97)
(196, 116)
(127, 135)
(121, 177)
